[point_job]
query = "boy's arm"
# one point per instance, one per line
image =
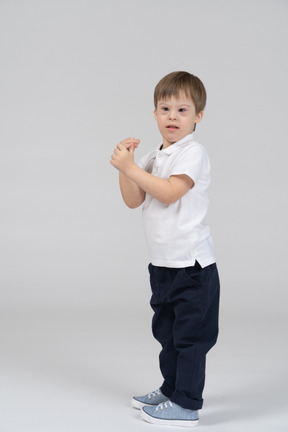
(166, 191)
(132, 194)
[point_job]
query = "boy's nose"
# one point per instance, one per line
(173, 115)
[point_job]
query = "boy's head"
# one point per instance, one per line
(176, 83)
(179, 99)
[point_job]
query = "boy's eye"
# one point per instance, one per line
(164, 109)
(182, 109)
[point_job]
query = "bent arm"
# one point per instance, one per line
(135, 182)
(132, 194)
(166, 191)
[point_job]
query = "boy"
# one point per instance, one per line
(172, 182)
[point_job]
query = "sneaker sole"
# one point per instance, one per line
(163, 422)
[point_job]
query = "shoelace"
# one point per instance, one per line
(154, 394)
(164, 405)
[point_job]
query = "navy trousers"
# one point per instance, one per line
(185, 302)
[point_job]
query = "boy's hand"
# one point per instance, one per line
(123, 156)
(130, 142)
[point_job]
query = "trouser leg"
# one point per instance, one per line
(162, 327)
(195, 331)
(185, 322)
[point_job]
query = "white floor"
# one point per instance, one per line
(76, 371)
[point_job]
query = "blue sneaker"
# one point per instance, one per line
(170, 414)
(153, 399)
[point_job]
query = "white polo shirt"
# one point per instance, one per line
(175, 233)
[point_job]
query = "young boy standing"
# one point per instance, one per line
(172, 182)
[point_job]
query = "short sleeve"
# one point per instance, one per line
(193, 162)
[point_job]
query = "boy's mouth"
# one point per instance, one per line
(172, 127)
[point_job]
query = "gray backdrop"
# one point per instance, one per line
(76, 78)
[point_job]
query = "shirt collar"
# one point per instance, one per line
(177, 144)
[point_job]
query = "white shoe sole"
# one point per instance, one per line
(184, 423)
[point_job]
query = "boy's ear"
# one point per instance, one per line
(199, 116)
(155, 113)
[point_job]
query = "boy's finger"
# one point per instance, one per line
(131, 140)
(132, 149)
(129, 145)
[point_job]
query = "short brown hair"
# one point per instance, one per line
(175, 82)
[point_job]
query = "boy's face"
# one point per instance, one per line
(176, 118)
